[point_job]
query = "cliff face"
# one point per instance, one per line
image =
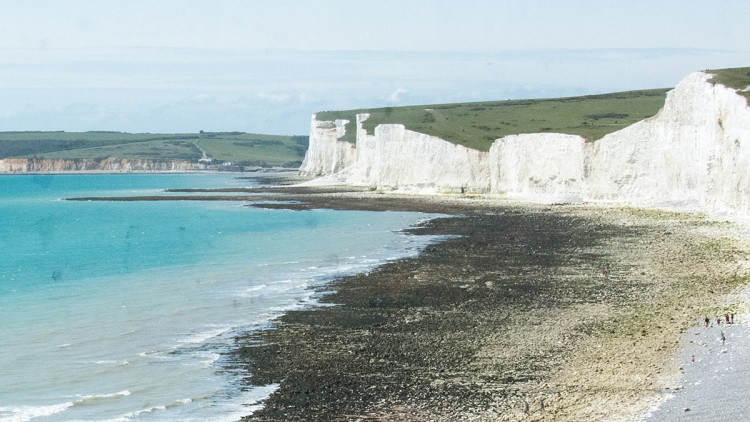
(32, 165)
(695, 153)
(541, 166)
(326, 154)
(397, 158)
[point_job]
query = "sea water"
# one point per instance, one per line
(125, 310)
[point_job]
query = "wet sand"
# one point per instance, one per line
(535, 312)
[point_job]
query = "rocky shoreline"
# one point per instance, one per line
(525, 312)
(531, 312)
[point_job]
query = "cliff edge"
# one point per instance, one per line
(694, 153)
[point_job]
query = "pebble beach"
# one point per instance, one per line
(713, 385)
(523, 312)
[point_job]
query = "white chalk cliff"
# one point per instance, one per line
(396, 158)
(694, 153)
(327, 154)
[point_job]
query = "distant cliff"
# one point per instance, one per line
(32, 165)
(695, 153)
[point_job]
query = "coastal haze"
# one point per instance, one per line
(171, 66)
(474, 211)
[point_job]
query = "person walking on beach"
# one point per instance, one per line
(723, 339)
(707, 321)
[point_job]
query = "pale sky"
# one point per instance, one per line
(265, 66)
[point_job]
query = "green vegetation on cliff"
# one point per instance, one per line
(477, 125)
(223, 147)
(736, 78)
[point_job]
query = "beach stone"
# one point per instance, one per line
(428, 348)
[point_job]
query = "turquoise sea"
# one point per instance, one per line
(122, 311)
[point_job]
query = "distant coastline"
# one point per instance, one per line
(110, 165)
(57, 152)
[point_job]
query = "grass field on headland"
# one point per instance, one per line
(737, 78)
(235, 147)
(477, 125)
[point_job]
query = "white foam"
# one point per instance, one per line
(112, 362)
(202, 337)
(94, 398)
(137, 413)
(27, 413)
(252, 401)
(256, 288)
(207, 358)
(153, 409)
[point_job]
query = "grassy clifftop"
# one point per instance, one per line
(235, 147)
(736, 78)
(477, 125)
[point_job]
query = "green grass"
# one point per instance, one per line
(235, 147)
(254, 149)
(477, 125)
(27, 144)
(736, 78)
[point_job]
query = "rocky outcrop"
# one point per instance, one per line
(115, 165)
(694, 153)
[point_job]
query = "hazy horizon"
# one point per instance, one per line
(230, 65)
